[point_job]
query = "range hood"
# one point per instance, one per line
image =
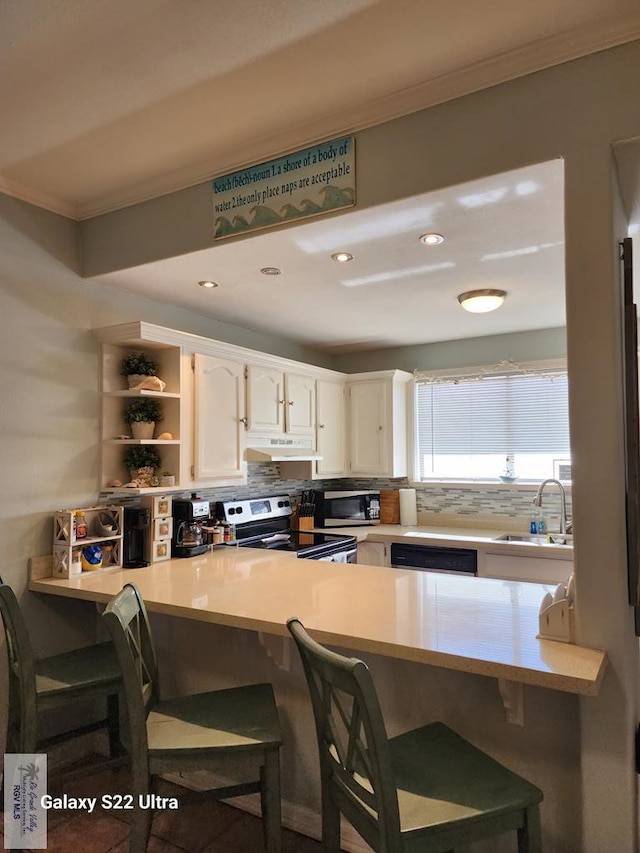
(281, 454)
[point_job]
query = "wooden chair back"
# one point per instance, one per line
(22, 711)
(128, 624)
(355, 763)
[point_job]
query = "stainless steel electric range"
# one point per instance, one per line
(266, 523)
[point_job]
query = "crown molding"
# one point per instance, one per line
(531, 58)
(38, 199)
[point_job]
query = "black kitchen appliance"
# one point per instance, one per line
(266, 523)
(188, 516)
(423, 558)
(345, 509)
(135, 537)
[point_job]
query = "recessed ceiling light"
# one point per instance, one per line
(431, 239)
(481, 301)
(270, 271)
(341, 257)
(208, 284)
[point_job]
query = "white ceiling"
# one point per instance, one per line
(503, 232)
(112, 102)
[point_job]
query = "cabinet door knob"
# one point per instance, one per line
(291, 402)
(242, 421)
(380, 428)
(282, 402)
(320, 426)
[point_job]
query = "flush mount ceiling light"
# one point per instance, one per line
(270, 271)
(481, 301)
(342, 257)
(208, 284)
(431, 239)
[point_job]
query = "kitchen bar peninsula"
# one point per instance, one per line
(487, 627)
(219, 620)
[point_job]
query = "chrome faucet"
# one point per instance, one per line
(565, 523)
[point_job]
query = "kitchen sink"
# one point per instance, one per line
(548, 539)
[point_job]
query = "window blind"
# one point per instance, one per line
(476, 423)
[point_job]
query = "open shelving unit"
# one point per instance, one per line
(118, 342)
(67, 548)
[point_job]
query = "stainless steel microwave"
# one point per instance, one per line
(346, 509)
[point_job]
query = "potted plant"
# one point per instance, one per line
(136, 366)
(143, 414)
(141, 460)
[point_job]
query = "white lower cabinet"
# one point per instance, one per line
(373, 553)
(219, 428)
(517, 568)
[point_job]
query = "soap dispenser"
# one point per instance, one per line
(538, 523)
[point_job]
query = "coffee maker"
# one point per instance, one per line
(188, 516)
(135, 537)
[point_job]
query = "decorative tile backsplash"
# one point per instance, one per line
(509, 502)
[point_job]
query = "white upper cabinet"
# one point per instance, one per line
(265, 400)
(279, 402)
(300, 404)
(219, 421)
(331, 433)
(377, 415)
(218, 400)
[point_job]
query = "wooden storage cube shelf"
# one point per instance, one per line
(159, 548)
(67, 548)
(63, 529)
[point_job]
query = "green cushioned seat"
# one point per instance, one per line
(191, 733)
(425, 791)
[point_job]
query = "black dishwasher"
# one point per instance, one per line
(423, 558)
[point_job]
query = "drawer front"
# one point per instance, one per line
(162, 528)
(160, 506)
(161, 550)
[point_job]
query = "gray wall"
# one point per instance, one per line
(520, 347)
(49, 376)
(48, 368)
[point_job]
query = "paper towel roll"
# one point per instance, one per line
(408, 508)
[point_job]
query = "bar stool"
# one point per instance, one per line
(424, 791)
(192, 732)
(38, 686)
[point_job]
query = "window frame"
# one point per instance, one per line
(502, 368)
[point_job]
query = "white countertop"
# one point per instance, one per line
(470, 624)
(481, 538)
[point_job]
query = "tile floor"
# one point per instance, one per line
(203, 827)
